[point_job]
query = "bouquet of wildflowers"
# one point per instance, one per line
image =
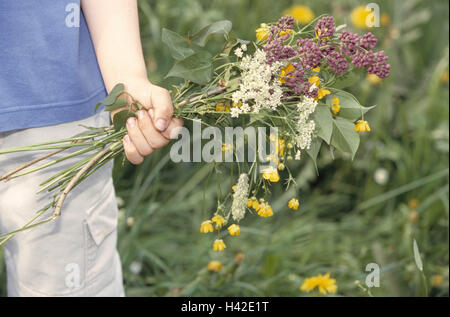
(290, 81)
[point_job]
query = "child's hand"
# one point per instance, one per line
(153, 128)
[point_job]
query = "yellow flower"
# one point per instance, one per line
(281, 147)
(255, 205)
(271, 174)
(234, 230)
(294, 204)
(323, 282)
(214, 266)
(237, 104)
(219, 245)
(436, 280)
(249, 203)
(335, 107)
(322, 93)
(314, 80)
(288, 31)
(206, 226)
(273, 137)
(222, 107)
(385, 19)
(262, 33)
(316, 70)
(444, 77)
(302, 14)
(285, 72)
(272, 158)
(413, 203)
(362, 126)
(265, 210)
(219, 220)
(227, 147)
(373, 79)
(359, 16)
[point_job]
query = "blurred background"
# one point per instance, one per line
(351, 214)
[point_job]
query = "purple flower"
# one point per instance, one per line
(325, 48)
(349, 41)
(309, 53)
(363, 58)
(337, 62)
(368, 41)
(298, 83)
(325, 27)
(286, 23)
(276, 50)
(379, 66)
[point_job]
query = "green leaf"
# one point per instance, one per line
(350, 107)
(341, 27)
(120, 103)
(178, 46)
(324, 122)
(314, 150)
(196, 68)
(232, 41)
(220, 27)
(347, 80)
(120, 119)
(112, 97)
(345, 138)
(417, 257)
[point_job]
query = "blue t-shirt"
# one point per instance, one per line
(48, 69)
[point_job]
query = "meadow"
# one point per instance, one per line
(351, 214)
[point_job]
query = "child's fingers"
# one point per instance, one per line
(137, 138)
(163, 108)
(153, 136)
(131, 152)
(173, 129)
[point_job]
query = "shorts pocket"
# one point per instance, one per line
(102, 218)
(101, 240)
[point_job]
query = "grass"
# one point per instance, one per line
(347, 218)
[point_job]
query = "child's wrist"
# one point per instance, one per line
(139, 87)
(129, 80)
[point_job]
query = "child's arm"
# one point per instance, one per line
(114, 28)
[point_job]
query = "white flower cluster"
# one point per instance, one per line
(239, 52)
(259, 85)
(240, 198)
(305, 127)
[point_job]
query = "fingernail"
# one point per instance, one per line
(161, 124)
(140, 114)
(131, 122)
(127, 139)
(150, 113)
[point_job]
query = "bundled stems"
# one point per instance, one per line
(106, 140)
(78, 175)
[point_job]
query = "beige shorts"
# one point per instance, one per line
(74, 255)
